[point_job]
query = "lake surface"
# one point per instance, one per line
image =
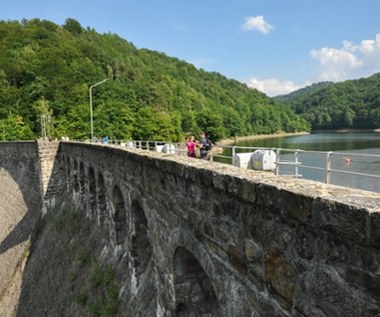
(322, 141)
(349, 158)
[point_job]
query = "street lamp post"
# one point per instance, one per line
(91, 113)
(45, 126)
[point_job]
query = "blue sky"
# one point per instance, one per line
(275, 46)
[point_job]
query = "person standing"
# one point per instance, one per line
(204, 145)
(190, 146)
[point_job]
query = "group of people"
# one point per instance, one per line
(104, 139)
(199, 148)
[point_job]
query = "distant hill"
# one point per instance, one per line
(303, 91)
(46, 71)
(352, 104)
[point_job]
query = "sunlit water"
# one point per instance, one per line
(348, 146)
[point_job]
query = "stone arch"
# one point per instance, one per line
(76, 177)
(119, 215)
(92, 191)
(102, 203)
(193, 289)
(141, 246)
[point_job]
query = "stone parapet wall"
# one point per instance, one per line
(189, 237)
(271, 246)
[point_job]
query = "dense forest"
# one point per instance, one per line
(46, 72)
(352, 104)
(304, 91)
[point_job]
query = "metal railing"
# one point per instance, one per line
(356, 170)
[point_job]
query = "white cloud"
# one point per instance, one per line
(349, 61)
(273, 86)
(336, 64)
(257, 23)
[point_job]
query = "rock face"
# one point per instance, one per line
(127, 232)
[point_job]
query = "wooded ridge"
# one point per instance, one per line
(46, 71)
(352, 104)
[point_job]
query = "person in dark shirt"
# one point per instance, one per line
(204, 145)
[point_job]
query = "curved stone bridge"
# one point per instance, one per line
(127, 232)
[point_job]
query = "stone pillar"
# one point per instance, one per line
(47, 152)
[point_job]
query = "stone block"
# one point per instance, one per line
(375, 230)
(296, 206)
(281, 275)
(342, 220)
(364, 280)
(327, 290)
(305, 243)
(268, 196)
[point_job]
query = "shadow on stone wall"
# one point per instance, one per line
(22, 168)
(20, 233)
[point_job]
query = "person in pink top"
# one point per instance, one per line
(190, 145)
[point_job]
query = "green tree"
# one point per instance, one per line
(233, 123)
(14, 128)
(212, 124)
(349, 117)
(73, 26)
(144, 128)
(115, 120)
(151, 95)
(78, 120)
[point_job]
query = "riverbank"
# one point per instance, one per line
(256, 137)
(349, 130)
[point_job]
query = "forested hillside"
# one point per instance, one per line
(46, 71)
(304, 91)
(352, 104)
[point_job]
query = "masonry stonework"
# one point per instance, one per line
(20, 206)
(187, 237)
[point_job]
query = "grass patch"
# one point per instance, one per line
(57, 224)
(101, 295)
(83, 257)
(81, 298)
(103, 280)
(73, 276)
(93, 283)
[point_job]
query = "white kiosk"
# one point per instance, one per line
(264, 160)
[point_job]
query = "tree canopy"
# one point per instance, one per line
(352, 104)
(47, 70)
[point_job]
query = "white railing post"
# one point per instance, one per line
(296, 162)
(328, 168)
(278, 151)
(233, 153)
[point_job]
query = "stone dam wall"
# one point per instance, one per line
(96, 230)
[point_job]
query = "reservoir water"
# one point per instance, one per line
(349, 158)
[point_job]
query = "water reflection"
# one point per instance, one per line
(322, 141)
